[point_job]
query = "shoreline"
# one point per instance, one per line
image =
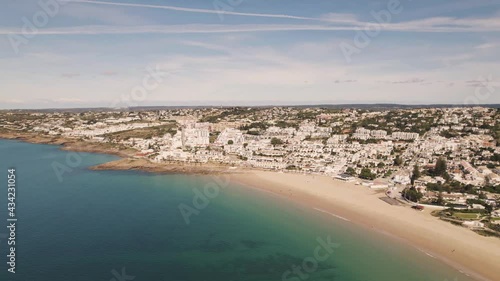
(458, 247)
(127, 160)
(68, 144)
(144, 165)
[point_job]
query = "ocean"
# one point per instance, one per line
(82, 225)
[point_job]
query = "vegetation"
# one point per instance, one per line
(492, 189)
(255, 125)
(398, 161)
(412, 194)
(145, 133)
(350, 171)
(276, 141)
(415, 175)
(367, 174)
(440, 168)
(213, 136)
(230, 112)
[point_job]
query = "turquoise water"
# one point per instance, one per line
(110, 225)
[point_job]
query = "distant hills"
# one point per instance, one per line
(375, 106)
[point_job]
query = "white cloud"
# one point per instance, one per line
(102, 14)
(243, 72)
(194, 10)
(426, 25)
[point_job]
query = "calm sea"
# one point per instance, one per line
(76, 224)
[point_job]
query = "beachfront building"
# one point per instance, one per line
(402, 177)
(345, 177)
(195, 137)
(230, 136)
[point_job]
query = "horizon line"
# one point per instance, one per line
(145, 107)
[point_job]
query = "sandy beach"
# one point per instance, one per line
(461, 248)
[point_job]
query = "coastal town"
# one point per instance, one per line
(447, 159)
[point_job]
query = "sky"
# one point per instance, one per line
(118, 53)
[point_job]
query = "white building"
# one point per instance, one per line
(404, 136)
(230, 136)
(195, 137)
(362, 134)
(378, 134)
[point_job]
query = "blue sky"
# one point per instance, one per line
(248, 52)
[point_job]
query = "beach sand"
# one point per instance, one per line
(476, 255)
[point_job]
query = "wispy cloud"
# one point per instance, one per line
(346, 21)
(170, 29)
(407, 81)
(345, 81)
(194, 10)
(219, 28)
(102, 14)
(109, 73)
(487, 46)
(70, 75)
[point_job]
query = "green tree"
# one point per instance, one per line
(230, 142)
(276, 141)
(440, 167)
(488, 208)
(495, 157)
(398, 161)
(350, 171)
(367, 174)
(412, 194)
(415, 175)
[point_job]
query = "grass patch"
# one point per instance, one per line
(487, 233)
(466, 216)
(144, 133)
